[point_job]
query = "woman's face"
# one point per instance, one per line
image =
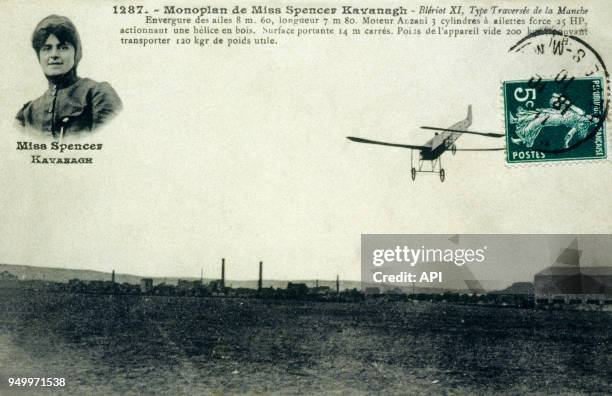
(56, 58)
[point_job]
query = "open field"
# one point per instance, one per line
(105, 344)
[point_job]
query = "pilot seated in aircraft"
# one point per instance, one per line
(71, 104)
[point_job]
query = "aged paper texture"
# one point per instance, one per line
(167, 136)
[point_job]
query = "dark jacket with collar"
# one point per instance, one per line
(76, 104)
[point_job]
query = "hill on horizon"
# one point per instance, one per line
(63, 275)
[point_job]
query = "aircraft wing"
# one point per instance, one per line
(410, 146)
(488, 134)
(482, 149)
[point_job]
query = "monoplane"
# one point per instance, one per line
(443, 140)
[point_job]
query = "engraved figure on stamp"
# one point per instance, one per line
(529, 123)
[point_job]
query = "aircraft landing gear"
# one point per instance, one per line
(454, 149)
(436, 167)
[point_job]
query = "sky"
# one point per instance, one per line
(242, 153)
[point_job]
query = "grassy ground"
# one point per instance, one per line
(169, 345)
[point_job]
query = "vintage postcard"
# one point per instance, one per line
(305, 197)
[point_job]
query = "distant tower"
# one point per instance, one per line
(222, 273)
(317, 283)
(113, 277)
(337, 283)
(201, 276)
(260, 281)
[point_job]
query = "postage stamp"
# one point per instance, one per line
(555, 119)
(555, 100)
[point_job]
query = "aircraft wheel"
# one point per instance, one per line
(413, 173)
(442, 175)
(454, 149)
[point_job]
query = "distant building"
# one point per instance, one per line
(297, 288)
(30, 284)
(216, 286)
(320, 290)
(244, 292)
(188, 284)
(5, 275)
(92, 286)
(372, 290)
(573, 284)
(164, 290)
(146, 285)
(9, 281)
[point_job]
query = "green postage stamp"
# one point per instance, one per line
(555, 120)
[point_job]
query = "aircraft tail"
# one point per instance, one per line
(469, 115)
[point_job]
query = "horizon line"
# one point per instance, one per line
(180, 277)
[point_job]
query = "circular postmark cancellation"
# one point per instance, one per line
(555, 106)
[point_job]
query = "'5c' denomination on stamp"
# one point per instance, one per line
(554, 119)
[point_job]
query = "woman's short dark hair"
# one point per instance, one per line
(62, 28)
